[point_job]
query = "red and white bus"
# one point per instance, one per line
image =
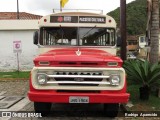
(77, 62)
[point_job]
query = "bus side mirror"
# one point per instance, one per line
(35, 37)
(119, 41)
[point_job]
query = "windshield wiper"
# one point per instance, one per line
(88, 31)
(63, 33)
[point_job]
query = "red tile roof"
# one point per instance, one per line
(22, 16)
(132, 37)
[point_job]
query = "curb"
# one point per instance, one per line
(13, 79)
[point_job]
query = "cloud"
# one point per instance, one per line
(44, 7)
(39, 6)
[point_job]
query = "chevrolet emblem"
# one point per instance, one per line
(78, 52)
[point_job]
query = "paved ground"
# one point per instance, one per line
(14, 87)
(58, 112)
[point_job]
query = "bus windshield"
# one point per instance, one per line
(77, 36)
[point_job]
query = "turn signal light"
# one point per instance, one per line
(44, 63)
(45, 20)
(112, 64)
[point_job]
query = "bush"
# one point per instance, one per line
(142, 72)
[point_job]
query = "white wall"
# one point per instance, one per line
(8, 60)
(18, 24)
(142, 44)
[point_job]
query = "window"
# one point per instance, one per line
(142, 39)
(58, 36)
(90, 36)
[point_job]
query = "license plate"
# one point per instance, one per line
(78, 99)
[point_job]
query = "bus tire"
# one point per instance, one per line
(42, 107)
(111, 110)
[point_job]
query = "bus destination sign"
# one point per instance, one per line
(91, 19)
(63, 19)
(76, 19)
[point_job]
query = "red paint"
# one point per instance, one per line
(105, 96)
(55, 57)
(67, 57)
(45, 20)
(52, 96)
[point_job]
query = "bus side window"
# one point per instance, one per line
(73, 42)
(62, 42)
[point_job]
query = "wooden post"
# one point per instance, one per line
(123, 28)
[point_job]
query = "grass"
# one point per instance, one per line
(15, 74)
(152, 104)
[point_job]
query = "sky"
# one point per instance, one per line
(44, 7)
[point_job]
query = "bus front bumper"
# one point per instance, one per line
(56, 97)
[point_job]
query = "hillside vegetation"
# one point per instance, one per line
(136, 13)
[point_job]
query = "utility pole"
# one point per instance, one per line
(17, 10)
(123, 28)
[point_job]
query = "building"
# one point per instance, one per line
(142, 46)
(132, 44)
(142, 41)
(13, 29)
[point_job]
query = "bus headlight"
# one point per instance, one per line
(115, 79)
(42, 79)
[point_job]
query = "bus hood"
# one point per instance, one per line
(76, 56)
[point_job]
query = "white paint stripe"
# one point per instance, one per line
(18, 106)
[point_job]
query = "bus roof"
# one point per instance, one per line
(77, 19)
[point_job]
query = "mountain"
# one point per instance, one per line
(136, 17)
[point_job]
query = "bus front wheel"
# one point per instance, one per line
(111, 110)
(42, 107)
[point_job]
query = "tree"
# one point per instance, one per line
(154, 31)
(136, 17)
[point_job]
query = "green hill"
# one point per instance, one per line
(136, 13)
